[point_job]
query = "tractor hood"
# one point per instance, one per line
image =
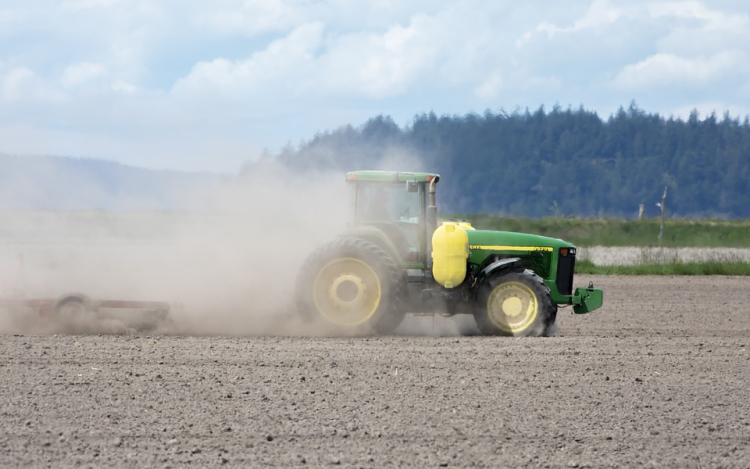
(504, 241)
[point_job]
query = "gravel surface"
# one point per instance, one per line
(657, 378)
(630, 255)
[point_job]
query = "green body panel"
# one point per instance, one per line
(400, 176)
(538, 253)
(515, 240)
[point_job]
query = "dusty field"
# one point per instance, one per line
(658, 377)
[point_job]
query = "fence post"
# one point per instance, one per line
(663, 206)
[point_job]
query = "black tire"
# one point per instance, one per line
(514, 302)
(74, 313)
(353, 286)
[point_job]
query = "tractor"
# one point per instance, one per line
(396, 258)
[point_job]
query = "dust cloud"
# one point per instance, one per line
(228, 268)
(225, 261)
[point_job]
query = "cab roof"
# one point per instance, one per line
(392, 176)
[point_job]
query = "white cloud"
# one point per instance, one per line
(689, 9)
(283, 61)
(668, 70)
(11, 16)
(540, 82)
(253, 16)
(82, 74)
(305, 62)
(600, 13)
(700, 30)
(490, 88)
(124, 87)
(87, 4)
(15, 81)
(21, 84)
(381, 65)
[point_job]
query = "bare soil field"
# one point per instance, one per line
(657, 378)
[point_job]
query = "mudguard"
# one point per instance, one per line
(497, 266)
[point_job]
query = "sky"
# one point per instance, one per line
(205, 85)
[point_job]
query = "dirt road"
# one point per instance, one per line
(659, 378)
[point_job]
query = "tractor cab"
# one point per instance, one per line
(392, 207)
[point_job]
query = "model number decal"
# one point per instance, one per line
(510, 248)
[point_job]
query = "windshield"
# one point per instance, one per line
(388, 203)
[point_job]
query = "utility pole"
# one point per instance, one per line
(663, 206)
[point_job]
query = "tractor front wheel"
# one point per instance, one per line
(353, 286)
(514, 303)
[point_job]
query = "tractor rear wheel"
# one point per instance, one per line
(352, 285)
(515, 302)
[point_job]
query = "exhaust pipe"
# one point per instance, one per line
(432, 206)
(431, 224)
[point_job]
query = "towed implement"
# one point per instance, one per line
(76, 308)
(396, 259)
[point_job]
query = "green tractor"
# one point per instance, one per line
(395, 259)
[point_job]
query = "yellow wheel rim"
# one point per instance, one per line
(512, 307)
(347, 291)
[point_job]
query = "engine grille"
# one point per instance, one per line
(565, 267)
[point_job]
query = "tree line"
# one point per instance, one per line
(562, 162)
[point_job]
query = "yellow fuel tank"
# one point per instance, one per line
(450, 248)
(465, 225)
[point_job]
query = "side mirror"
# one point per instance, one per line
(412, 186)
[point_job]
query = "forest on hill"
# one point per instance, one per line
(562, 162)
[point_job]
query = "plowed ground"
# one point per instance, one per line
(659, 377)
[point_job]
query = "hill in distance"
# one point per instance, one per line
(64, 183)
